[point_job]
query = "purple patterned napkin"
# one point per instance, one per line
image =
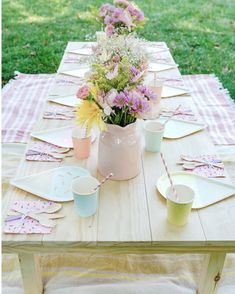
(208, 171)
(41, 147)
(27, 225)
(184, 113)
(59, 112)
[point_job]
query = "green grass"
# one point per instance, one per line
(200, 34)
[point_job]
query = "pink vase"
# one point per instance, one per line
(120, 152)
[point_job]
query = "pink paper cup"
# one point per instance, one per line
(81, 144)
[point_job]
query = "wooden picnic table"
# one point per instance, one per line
(131, 216)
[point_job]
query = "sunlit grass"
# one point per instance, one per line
(200, 34)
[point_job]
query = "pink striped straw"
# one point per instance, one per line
(169, 177)
(103, 181)
(174, 113)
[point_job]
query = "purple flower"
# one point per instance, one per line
(112, 74)
(138, 14)
(140, 105)
(136, 74)
(147, 92)
(120, 100)
(125, 18)
(107, 20)
(105, 9)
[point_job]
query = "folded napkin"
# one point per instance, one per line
(172, 91)
(79, 73)
(59, 112)
(42, 148)
(184, 113)
(157, 67)
(27, 225)
(208, 171)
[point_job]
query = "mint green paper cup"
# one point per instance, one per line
(153, 134)
(85, 197)
(178, 210)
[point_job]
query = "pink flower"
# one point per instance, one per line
(105, 9)
(109, 30)
(83, 92)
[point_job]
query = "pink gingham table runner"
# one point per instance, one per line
(22, 102)
(23, 98)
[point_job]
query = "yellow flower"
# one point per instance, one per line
(89, 114)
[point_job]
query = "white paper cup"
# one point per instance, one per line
(178, 209)
(153, 134)
(85, 198)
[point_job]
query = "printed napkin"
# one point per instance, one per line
(42, 147)
(27, 225)
(59, 112)
(207, 170)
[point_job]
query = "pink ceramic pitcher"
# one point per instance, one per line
(120, 152)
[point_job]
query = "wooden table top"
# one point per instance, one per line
(131, 214)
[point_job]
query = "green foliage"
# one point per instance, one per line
(119, 83)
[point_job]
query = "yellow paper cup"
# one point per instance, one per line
(178, 209)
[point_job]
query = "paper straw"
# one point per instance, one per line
(103, 181)
(169, 177)
(170, 117)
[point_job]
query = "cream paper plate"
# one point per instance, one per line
(78, 73)
(176, 128)
(71, 100)
(54, 184)
(81, 51)
(171, 91)
(207, 191)
(157, 67)
(61, 137)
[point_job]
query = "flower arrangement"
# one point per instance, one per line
(115, 93)
(122, 17)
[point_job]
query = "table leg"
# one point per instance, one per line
(211, 272)
(31, 275)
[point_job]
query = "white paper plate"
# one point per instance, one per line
(81, 51)
(207, 191)
(176, 128)
(170, 91)
(155, 50)
(54, 184)
(71, 101)
(61, 137)
(78, 73)
(157, 67)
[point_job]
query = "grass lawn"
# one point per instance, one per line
(200, 34)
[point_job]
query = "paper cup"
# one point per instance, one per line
(85, 198)
(81, 143)
(158, 86)
(178, 209)
(153, 134)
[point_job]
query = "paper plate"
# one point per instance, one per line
(81, 51)
(78, 73)
(177, 128)
(54, 184)
(170, 91)
(71, 100)
(155, 50)
(156, 67)
(61, 137)
(207, 191)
